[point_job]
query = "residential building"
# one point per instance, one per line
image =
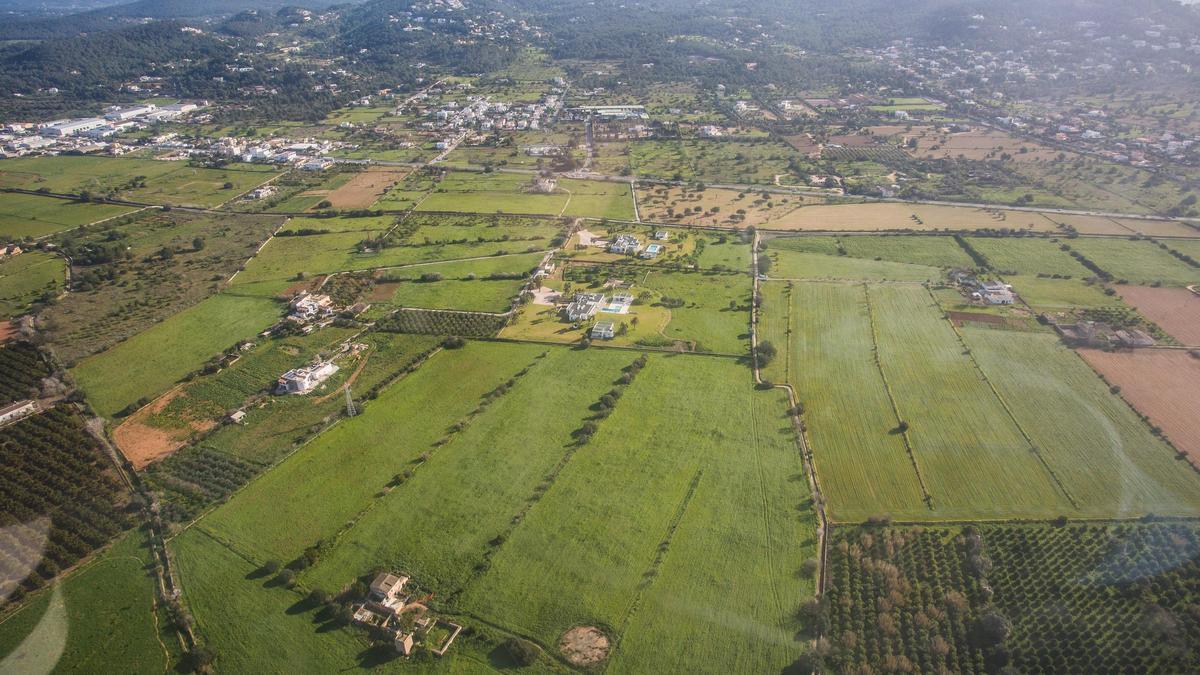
(651, 251)
(625, 244)
(303, 380)
(603, 331)
(584, 306)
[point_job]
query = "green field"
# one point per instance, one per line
(863, 466)
(23, 215)
(357, 458)
(714, 161)
(469, 491)
(1138, 262)
(102, 615)
(1029, 256)
(26, 278)
(672, 525)
(797, 265)
(506, 192)
(715, 314)
(1059, 294)
(150, 362)
(914, 250)
(174, 183)
(973, 458)
(1099, 449)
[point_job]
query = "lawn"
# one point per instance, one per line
(26, 277)
(357, 458)
(1138, 262)
(1029, 256)
(103, 614)
(148, 363)
(673, 525)
(23, 215)
(1102, 452)
(973, 457)
(863, 465)
(469, 491)
(796, 265)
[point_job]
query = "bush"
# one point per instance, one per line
(523, 652)
(286, 578)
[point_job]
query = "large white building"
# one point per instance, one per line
(73, 127)
(122, 114)
(304, 380)
(18, 410)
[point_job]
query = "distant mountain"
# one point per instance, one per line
(117, 16)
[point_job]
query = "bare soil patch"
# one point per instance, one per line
(366, 188)
(1175, 310)
(383, 292)
(584, 645)
(7, 331)
(960, 318)
(1163, 384)
(143, 444)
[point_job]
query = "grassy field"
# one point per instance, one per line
(506, 192)
(643, 535)
(1060, 294)
(357, 458)
(925, 251)
(1101, 451)
(1028, 256)
(788, 264)
(25, 278)
(713, 161)
(716, 310)
(1139, 262)
(973, 457)
(23, 215)
(863, 466)
(164, 182)
(104, 614)
(918, 217)
(469, 491)
(150, 362)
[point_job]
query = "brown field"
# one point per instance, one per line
(977, 144)
(1129, 226)
(7, 330)
(1175, 310)
(1163, 384)
(889, 216)
(143, 444)
(366, 188)
(653, 203)
(804, 143)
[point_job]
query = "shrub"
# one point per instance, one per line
(523, 652)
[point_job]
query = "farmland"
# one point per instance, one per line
(735, 161)
(140, 368)
(1137, 262)
(1063, 598)
(103, 611)
(509, 193)
(1028, 256)
(1162, 385)
(1176, 310)
(25, 215)
(788, 264)
(27, 278)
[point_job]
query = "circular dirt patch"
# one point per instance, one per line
(584, 645)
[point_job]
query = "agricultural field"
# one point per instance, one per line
(511, 193)
(790, 264)
(661, 503)
(1175, 310)
(22, 367)
(733, 161)
(937, 251)
(976, 144)
(716, 207)
(384, 443)
(63, 499)
(1136, 262)
(103, 615)
(1034, 598)
(1032, 256)
(25, 215)
(142, 367)
(143, 180)
(1099, 451)
(28, 278)
(364, 188)
(1160, 384)
(915, 217)
(135, 272)
(1055, 295)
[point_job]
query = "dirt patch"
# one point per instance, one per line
(584, 645)
(384, 292)
(7, 331)
(546, 296)
(143, 444)
(587, 238)
(1163, 384)
(962, 317)
(1175, 310)
(366, 188)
